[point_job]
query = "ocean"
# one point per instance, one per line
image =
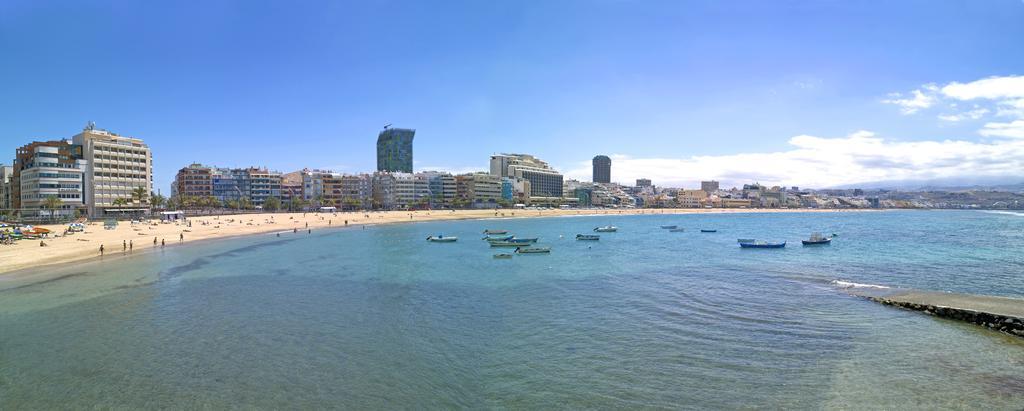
(644, 318)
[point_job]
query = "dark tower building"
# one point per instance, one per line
(602, 169)
(394, 150)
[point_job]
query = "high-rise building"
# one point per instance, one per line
(196, 180)
(709, 186)
(544, 180)
(115, 166)
(602, 169)
(6, 173)
(394, 150)
(48, 169)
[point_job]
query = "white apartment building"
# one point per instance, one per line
(44, 173)
(115, 166)
(5, 187)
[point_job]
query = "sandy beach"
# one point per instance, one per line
(141, 237)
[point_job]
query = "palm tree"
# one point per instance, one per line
(140, 195)
(158, 201)
(271, 204)
(51, 202)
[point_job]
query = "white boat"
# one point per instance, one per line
(607, 229)
(442, 239)
(533, 250)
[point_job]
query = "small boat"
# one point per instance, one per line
(763, 244)
(607, 229)
(495, 232)
(745, 240)
(588, 237)
(817, 239)
(708, 231)
(505, 244)
(523, 240)
(498, 238)
(442, 239)
(533, 250)
(676, 230)
(503, 255)
(669, 227)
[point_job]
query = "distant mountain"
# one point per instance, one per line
(1013, 184)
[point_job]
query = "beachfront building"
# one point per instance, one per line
(394, 150)
(441, 187)
(5, 187)
(263, 184)
(346, 191)
(48, 169)
(602, 169)
(545, 182)
(691, 198)
(116, 166)
(195, 180)
(709, 186)
(230, 185)
(479, 190)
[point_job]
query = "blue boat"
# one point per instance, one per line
(498, 238)
(709, 231)
(763, 244)
(817, 239)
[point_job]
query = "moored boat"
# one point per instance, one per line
(607, 229)
(505, 244)
(745, 240)
(669, 227)
(523, 240)
(533, 250)
(817, 239)
(498, 238)
(676, 230)
(442, 239)
(495, 232)
(503, 255)
(708, 231)
(588, 237)
(763, 244)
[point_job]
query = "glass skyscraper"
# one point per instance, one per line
(394, 150)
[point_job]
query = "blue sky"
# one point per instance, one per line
(675, 90)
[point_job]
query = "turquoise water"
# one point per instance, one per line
(644, 318)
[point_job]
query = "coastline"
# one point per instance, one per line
(27, 258)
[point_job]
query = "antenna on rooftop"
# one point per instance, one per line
(90, 125)
(386, 126)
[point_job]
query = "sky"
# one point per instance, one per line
(811, 94)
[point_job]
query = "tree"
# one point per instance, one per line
(119, 202)
(245, 203)
(158, 201)
(271, 204)
(504, 203)
(51, 202)
(296, 203)
(140, 195)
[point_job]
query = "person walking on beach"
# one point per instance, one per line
(124, 246)
(131, 245)
(163, 243)
(101, 250)
(181, 237)
(154, 241)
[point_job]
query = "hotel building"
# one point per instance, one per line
(545, 182)
(115, 166)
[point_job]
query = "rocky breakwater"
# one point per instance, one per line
(998, 313)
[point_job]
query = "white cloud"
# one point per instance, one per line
(824, 162)
(967, 115)
(921, 99)
(1013, 129)
(991, 88)
(1003, 96)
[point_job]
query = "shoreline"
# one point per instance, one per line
(27, 258)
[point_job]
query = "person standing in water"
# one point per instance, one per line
(181, 237)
